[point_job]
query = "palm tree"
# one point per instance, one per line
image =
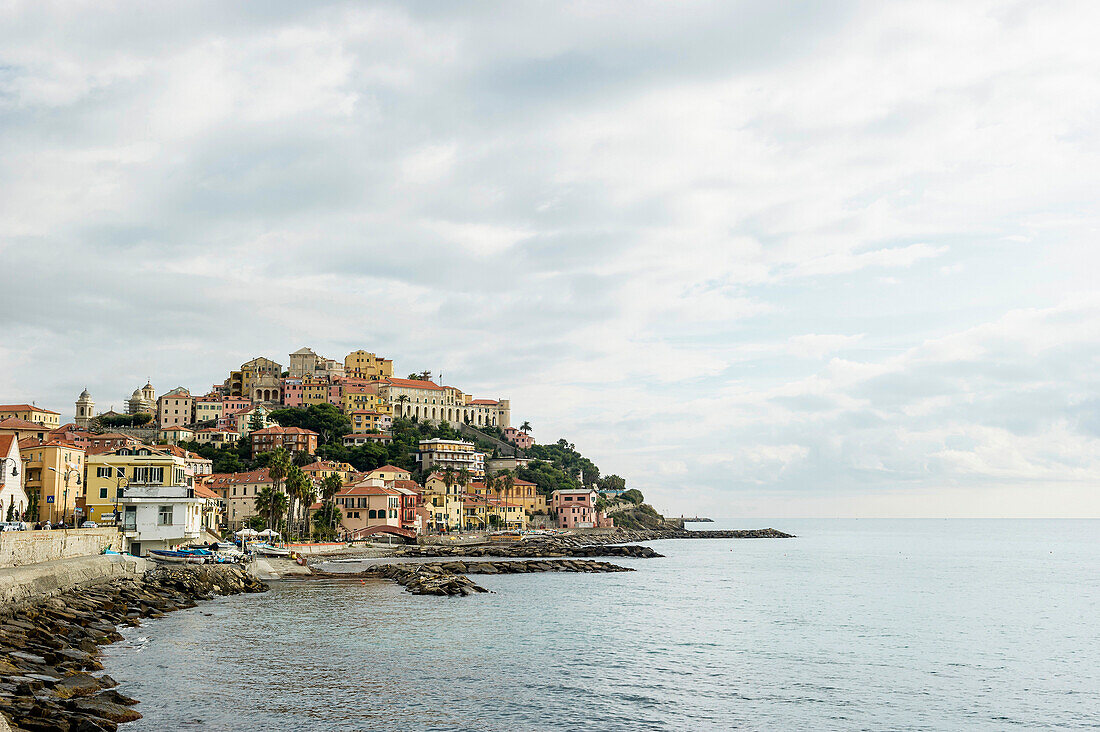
(491, 481)
(276, 470)
(401, 402)
(271, 502)
(462, 479)
(294, 479)
(506, 485)
(330, 486)
(525, 427)
(307, 494)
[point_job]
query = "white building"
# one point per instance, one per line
(11, 475)
(160, 516)
(439, 454)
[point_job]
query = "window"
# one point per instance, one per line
(104, 471)
(164, 516)
(148, 474)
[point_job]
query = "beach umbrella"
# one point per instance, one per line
(249, 532)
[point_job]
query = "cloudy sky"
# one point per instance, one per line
(762, 259)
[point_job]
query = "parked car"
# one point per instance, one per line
(89, 525)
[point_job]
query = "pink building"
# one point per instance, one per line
(292, 392)
(576, 509)
(521, 440)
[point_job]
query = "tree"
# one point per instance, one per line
(525, 428)
(325, 419)
(295, 482)
(330, 486)
(256, 421)
(32, 505)
(634, 496)
(326, 520)
(272, 502)
(277, 470)
(421, 376)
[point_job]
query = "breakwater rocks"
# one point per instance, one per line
(447, 578)
(620, 536)
(528, 550)
(49, 649)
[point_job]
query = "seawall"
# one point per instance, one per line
(18, 548)
(20, 585)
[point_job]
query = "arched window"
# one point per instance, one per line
(372, 514)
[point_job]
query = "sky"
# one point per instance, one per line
(762, 259)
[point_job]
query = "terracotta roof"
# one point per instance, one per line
(14, 423)
(388, 467)
(203, 492)
(412, 383)
(251, 476)
(278, 430)
(29, 442)
(6, 444)
(366, 490)
(484, 401)
(177, 428)
(411, 485)
(25, 407)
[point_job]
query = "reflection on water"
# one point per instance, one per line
(931, 624)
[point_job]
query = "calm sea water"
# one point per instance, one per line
(855, 625)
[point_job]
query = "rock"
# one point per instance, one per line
(98, 707)
(77, 685)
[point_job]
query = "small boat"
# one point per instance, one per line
(167, 555)
(271, 551)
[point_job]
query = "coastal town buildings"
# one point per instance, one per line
(54, 477)
(576, 509)
(142, 401)
(367, 504)
(522, 440)
(290, 439)
(437, 454)
(111, 474)
(174, 409)
(11, 474)
(238, 492)
(365, 365)
(21, 429)
(175, 434)
(85, 409)
(160, 516)
(357, 439)
(31, 413)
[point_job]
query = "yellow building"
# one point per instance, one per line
(324, 468)
(365, 365)
(123, 467)
(31, 413)
(361, 398)
(481, 512)
(522, 493)
(259, 380)
(443, 504)
(54, 473)
(315, 390)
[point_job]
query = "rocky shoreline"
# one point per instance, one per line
(49, 648)
(527, 550)
(448, 578)
(623, 536)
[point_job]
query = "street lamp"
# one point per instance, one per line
(120, 476)
(68, 471)
(14, 468)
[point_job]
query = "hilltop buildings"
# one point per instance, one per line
(105, 467)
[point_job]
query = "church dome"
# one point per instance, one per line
(136, 394)
(85, 395)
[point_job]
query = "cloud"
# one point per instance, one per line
(748, 256)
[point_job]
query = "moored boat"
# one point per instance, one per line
(168, 555)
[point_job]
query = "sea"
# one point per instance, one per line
(853, 625)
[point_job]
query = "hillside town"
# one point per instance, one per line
(319, 449)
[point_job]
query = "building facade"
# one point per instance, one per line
(12, 473)
(31, 413)
(437, 454)
(175, 408)
(290, 439)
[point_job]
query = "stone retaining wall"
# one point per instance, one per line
(24, 584)
(19, 548)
